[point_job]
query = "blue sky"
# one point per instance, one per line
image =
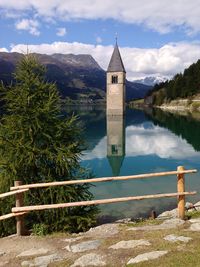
(156, 38)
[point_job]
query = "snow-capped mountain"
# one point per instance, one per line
(150, 80)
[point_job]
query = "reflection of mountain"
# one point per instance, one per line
(135, 117)
(115, 142)
(94, 122)
(149, 148)
(143, 138)
(185, 126)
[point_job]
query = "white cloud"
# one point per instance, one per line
(28, 25)
(161, 16)
(141, 141)
(61, 31)
(98, 39)
(166, 61)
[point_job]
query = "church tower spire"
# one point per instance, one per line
(115, 142)
(116, 77)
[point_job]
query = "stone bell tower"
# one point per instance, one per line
(115, 142)
(116, 79)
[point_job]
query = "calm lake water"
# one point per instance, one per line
(140, 143)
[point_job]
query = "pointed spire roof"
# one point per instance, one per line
(116, 63)
(115, 163)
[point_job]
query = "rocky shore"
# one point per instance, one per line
(189, 105)
(123, 243)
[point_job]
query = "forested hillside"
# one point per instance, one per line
(183, 85)
(78, 78)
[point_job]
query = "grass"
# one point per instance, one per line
(179, 254)
(185, 256)
(195, 106)
(136, 103)
(144, 222)
(193, 214)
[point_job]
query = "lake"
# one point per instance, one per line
(141, 142)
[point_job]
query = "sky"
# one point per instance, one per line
(156, 38)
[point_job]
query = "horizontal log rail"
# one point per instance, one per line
(96, 202)
(19, 189)
(103, 179)
(13, 193)
(10, 215)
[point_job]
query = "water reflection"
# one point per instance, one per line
(115, 142)
(141, 144)
(186, 126)
(149, 139)
(138, 139)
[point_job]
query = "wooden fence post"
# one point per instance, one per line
(181, 189)
(19, 219)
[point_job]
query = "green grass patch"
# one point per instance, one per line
(193, 214)
(185, 256)
(143, 222)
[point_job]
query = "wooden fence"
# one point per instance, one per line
(19, 189)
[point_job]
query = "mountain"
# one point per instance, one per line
(136, 90)
(78, 77)
(80, 61)
(151, 81)
(184, 85)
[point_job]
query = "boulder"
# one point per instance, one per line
(130, 244)
(83, 246)
(91, 259)
(33, 252)
(175, 238)
(104, 230)
(147, 256)
(42, 261)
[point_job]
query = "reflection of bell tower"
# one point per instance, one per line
(116, 78)
(115, 142)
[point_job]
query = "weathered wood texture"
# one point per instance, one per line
(11, 215)
(20, 219)
(180, 189)
(104, 179)
(13, 193)
(96, 202)
(20, 210)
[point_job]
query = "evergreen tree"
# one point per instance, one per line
(39, 144)
(180, 86)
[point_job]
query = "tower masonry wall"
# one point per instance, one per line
(116, 94)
